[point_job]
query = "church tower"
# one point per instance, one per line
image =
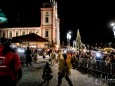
(50, 22)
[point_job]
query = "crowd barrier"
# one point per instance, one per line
(102, 67)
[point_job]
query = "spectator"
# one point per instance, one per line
(53, 57)
(64, 71)
(28, 56)
(10, 66)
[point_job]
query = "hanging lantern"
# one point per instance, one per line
(3, 17)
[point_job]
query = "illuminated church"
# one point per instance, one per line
(49, 26)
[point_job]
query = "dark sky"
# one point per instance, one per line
(92, 17)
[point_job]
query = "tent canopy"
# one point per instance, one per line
(16, 41)
(32, 37)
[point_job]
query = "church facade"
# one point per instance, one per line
(48, 29)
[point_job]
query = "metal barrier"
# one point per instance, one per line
(106, 69)
(22, 59)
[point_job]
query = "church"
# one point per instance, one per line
(49, 26)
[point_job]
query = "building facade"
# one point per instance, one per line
(49, 26)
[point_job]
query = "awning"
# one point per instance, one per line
(30, 38)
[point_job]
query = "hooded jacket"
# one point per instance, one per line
(9, 63)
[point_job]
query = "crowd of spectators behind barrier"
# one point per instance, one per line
(97, 60)
(108, 57)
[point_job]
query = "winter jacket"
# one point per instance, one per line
(64, 69)
(9, 64)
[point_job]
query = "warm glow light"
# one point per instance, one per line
(57, 47)
(33, 46)
(112, 24)
(17, 44)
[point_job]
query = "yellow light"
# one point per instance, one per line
(17, 44)
(57, 47)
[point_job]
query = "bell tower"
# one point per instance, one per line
(50, 22)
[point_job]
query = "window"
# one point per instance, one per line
(4, 34)
(23, 32)
(46, 33)
(10, 34)
(30, 32)
(46, 19)
(37, 32)
(33, 31)
(47, 45)
(17, 33)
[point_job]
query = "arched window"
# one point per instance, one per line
(10, 34)
(46, 33)
(30, 31)
(47, 17)
(17, 33)
(37, 32)
(23, 32)
(4, 34)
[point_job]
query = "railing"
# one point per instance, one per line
(102, 67)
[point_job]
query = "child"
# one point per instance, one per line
(47, 73)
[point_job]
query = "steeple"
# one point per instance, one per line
(50, 21)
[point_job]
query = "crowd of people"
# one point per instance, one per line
(103, 61)
(10, 62)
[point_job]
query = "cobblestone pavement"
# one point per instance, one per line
(32, 76)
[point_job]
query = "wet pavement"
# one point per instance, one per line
(32, 76)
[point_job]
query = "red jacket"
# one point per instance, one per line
(6, 63)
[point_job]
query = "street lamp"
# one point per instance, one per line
(68, 38)
(74, 44)
(113, 28)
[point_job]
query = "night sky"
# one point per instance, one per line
(92, 18)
